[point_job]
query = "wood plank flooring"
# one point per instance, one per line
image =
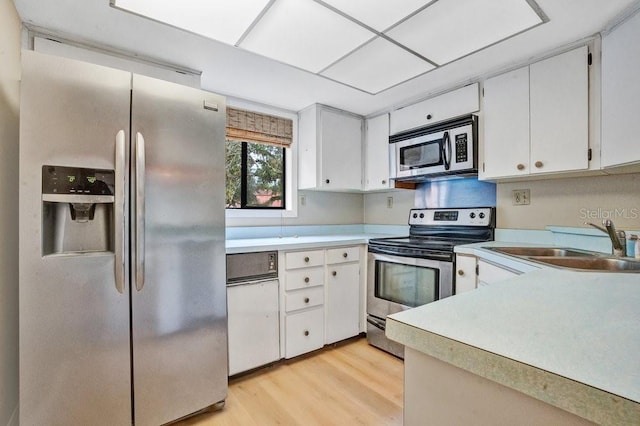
(350, 383)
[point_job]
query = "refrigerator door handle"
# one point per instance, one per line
(140, 172)
(120, 213)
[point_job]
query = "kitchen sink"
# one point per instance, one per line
(541, 251)
(606, 264)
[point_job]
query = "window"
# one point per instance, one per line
(255, 175)
(256, 150)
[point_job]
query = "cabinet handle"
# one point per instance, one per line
(306, 279)
(306, 300)
(384, 182)
(334, 273)
(345, 255)
(327, 181)
(460, 272)
(306, 332)
(539, 164)
(429, 116)
(306, 259)
(520, 166)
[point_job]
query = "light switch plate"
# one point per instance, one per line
(389, 202)
(521, 197)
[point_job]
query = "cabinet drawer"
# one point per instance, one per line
(304, 332)
(304, 278)
(343, 255)
(303, 259)
(305, 298)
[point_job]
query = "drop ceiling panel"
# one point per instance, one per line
(224, 21)
(304, 34)
(377, 66)
(378, 14)
(450, 29)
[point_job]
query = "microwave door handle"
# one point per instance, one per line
(446, 150)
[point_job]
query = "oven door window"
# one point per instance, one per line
(407, 285)
(427, 154)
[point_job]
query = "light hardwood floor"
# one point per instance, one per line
(350, 383)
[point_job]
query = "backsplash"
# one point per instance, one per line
(467, 192)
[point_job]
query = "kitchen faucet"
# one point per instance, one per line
(618, 242)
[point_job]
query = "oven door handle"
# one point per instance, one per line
(377, 323)
(393, 252)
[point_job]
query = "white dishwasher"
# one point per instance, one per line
(253, 310)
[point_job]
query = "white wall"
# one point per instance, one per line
(377, 212)
(320, 208)
(572, 201)
(9, 129)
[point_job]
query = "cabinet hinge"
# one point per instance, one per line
(477, 269)
(589, 154)
(483, 168)
(589, 59)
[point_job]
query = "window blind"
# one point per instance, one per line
(252, 126)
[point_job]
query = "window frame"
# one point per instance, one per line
(238, 217)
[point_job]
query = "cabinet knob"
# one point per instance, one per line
(306, 259)
(539, 164)
(429, 116)
(460, 272)
(306, 332)
(334, 273)
(327, 181)
(345, 255)
(306, 279)
(306, 300)
(520, 166)
(384, 182)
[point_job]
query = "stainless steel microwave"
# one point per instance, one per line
(448, 148)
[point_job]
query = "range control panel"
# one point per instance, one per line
(476, 216)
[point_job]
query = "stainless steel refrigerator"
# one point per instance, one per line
(122, 258)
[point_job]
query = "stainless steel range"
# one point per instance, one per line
(411, 271)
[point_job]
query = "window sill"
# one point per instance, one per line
(259, 213)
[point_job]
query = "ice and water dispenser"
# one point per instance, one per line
(77, 210)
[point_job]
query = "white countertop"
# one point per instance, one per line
(246, 245)
(583, 327)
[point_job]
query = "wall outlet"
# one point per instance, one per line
(389, 202)
(521, 197)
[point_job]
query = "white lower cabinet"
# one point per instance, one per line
(253, 324)
(320, 298)
(489, 273)
(465, 273)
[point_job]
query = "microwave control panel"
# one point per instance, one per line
(462, 154)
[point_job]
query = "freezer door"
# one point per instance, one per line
(74, 316)
(178, 296)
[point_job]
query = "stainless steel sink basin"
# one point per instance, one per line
(541, 251)
(604, 264)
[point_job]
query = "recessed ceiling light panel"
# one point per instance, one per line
(224, 21)
(377, 66)
(304, 34)
(378, 14)
(450, 29)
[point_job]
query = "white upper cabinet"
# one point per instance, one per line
(377, 153)
(536, 118)
(443, 107)
(330, 149)
(621, 94)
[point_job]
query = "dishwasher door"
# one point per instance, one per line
(254, 325)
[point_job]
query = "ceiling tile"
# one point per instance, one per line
(377, 14)
(305, 34)
(450, 29)
(376, 66)
(223, 21)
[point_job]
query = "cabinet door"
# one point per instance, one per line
(506, 125)
(341, 147)
(343, 302)
(488, 273)
(559, 96)
(377, 153)
(254, 330)
(621, 94)
(304, 332)
(465, 273)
